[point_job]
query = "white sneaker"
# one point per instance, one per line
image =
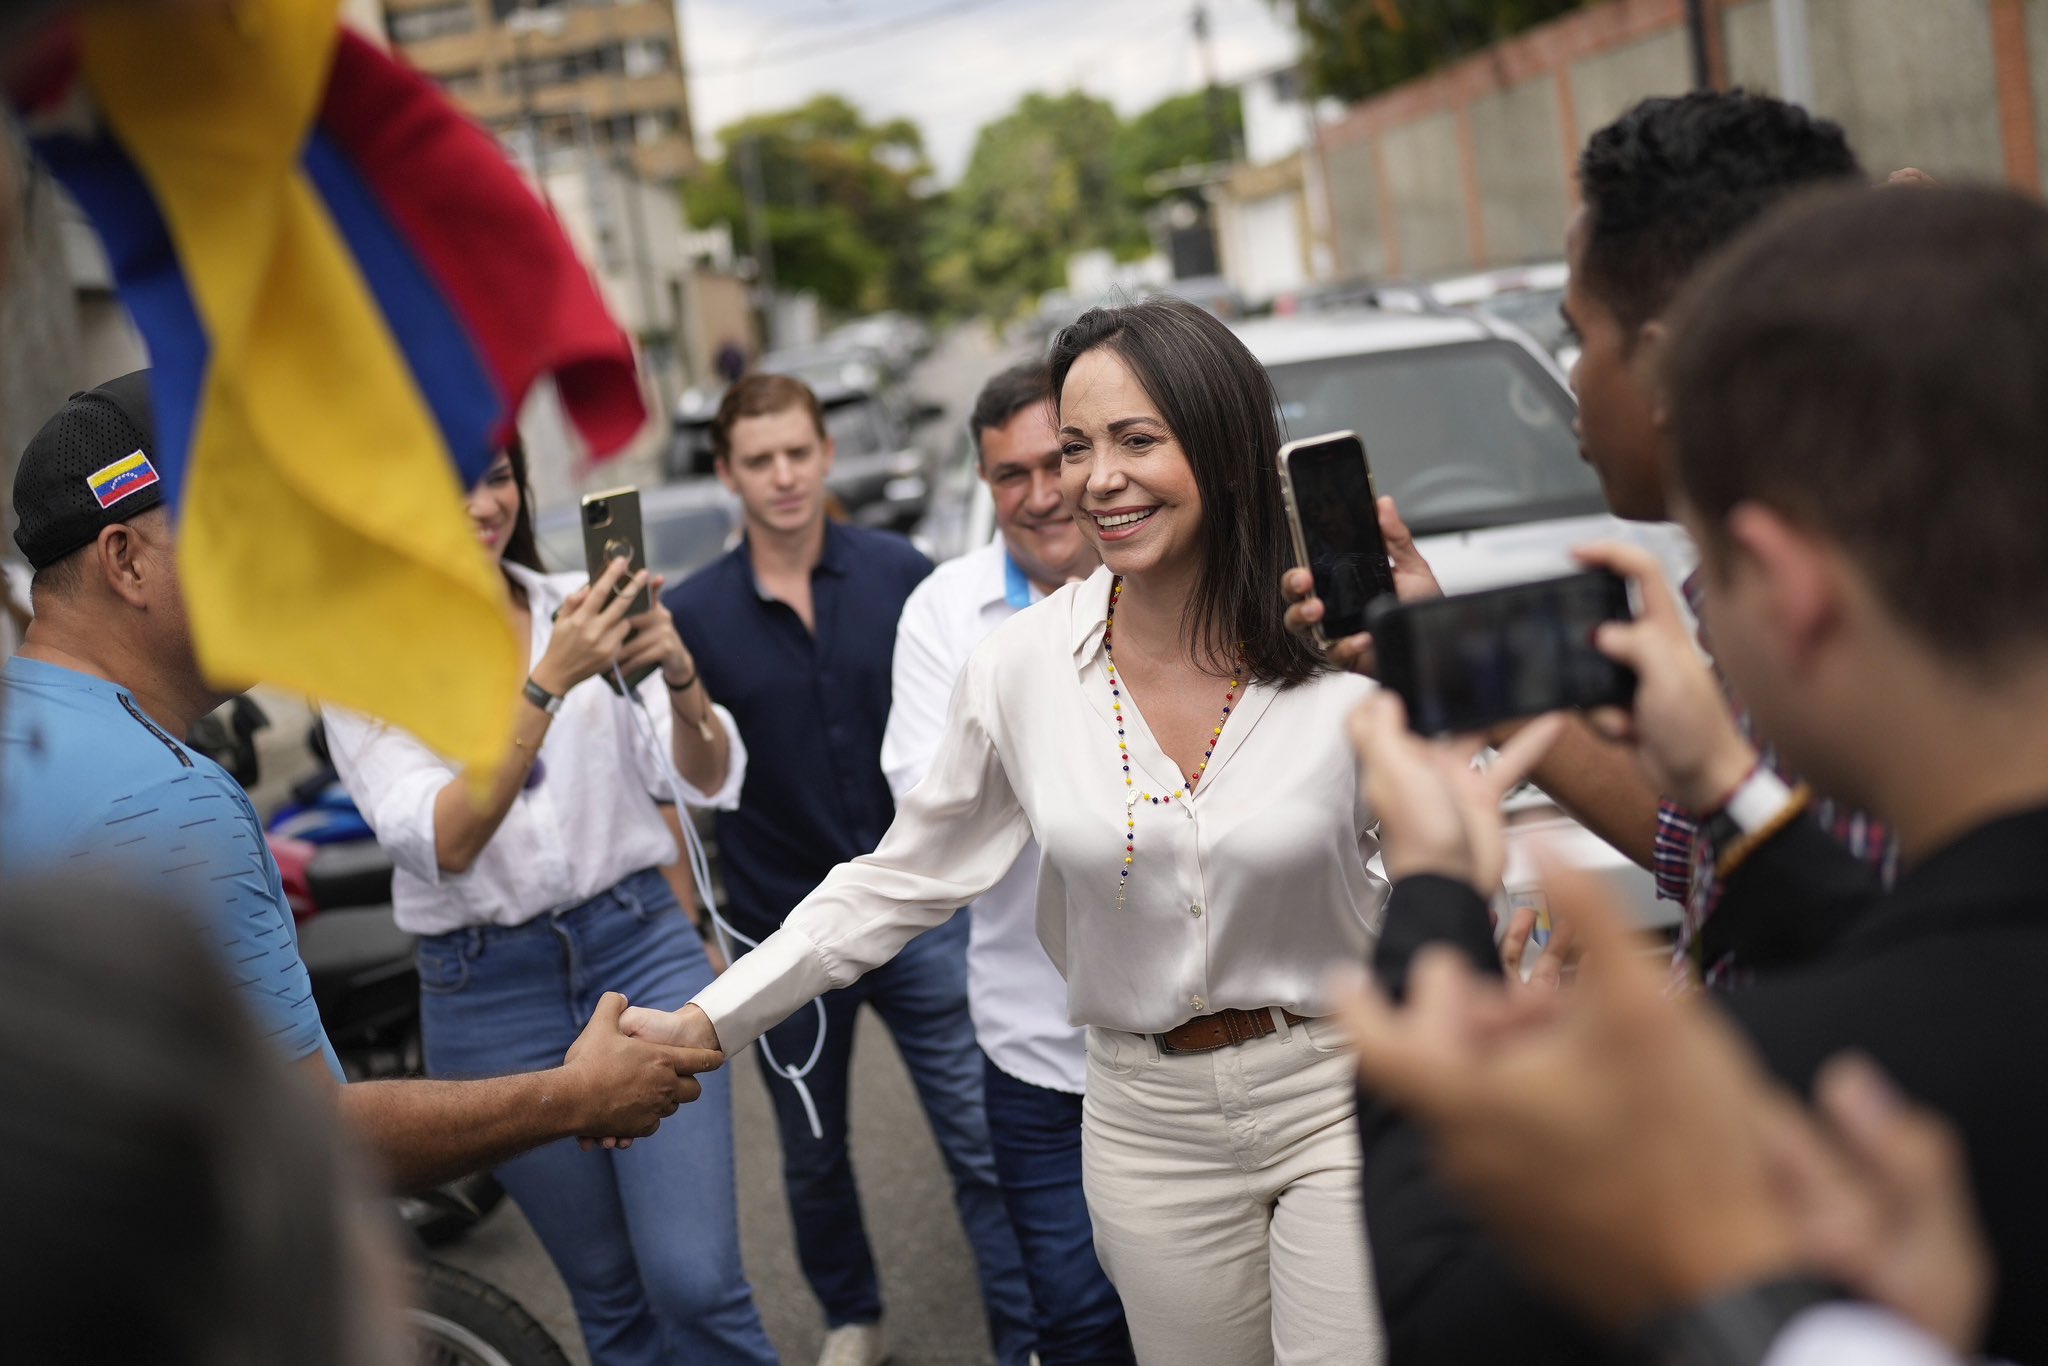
(854, 1344)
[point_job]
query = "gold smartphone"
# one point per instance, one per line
(1333, 510)
(611, 531)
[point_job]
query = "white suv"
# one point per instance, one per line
(1468, 426)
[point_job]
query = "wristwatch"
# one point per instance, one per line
(1756, 802)
(540, 697)
(1737, 1328)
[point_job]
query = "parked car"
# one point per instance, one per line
(685, 525)
(879, 473)
(1467, 423)
(899, 339)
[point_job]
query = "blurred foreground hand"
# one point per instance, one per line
(1630, 1151)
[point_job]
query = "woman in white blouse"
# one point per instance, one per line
(541, 893)
(1180, 759)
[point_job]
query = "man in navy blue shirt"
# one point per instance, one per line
(795, 630)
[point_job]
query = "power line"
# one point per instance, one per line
(840, 42)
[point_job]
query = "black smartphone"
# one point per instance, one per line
(1334, 513)
(1464, 663)
(611, 530)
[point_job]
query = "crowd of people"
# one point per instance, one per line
(1230, 1059)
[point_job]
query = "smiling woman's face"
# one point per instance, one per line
(494, 506)
(1123, 471)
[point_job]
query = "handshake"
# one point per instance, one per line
(631, 1068)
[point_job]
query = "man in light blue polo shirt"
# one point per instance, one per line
(96, 787)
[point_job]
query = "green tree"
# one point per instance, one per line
(1356, 48)
(843, 202)
(1178, 131)
(1042, 183)
(1057, 175)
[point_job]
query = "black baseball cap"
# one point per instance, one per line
(92, 465)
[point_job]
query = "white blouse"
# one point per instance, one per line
(590, 821)
(1242, 895)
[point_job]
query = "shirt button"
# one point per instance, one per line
(1198, 1003)
(1196, 910)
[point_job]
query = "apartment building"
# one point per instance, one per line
(559, 78)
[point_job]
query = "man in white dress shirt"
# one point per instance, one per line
(1035, 1062)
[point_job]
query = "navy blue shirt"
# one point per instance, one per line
(811, 708)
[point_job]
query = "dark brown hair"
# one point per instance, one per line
(758, 396)
(522, 547)
(1219, 403)
(1870, 365)
(1008, 394)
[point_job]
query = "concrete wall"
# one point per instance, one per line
(39, 334)
(1751, 45)
(1475, 160)
(1361, 244)
(2037, 51)
(1912, 81)
(1524, 195)
(1606, 85)
(1428, 194)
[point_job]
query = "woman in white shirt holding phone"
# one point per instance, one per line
(541, 892)
(1180, 759)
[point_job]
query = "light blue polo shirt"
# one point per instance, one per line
(90, 786)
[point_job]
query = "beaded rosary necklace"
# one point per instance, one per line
(1132, 793)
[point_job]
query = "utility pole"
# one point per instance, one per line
(1219, 126)
(1696, 33)
(752, 190)
(1795, 51)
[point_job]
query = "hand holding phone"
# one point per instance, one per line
(1685, 738)
(1334, 515)
(590, 629)
(1468, 662)
(611, 531)
(1413, 581)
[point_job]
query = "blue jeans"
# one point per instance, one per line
(647, 1240)
(922, 996)
(1037, 1136)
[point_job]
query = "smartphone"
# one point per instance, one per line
(611, 530)
(1464, 663)
(1334, 513)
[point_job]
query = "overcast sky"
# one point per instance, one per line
(953, 65)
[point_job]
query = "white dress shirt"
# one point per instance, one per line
(589, 821)
(1241, 896)
(1017, 997)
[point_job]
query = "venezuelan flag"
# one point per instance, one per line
(346, 292)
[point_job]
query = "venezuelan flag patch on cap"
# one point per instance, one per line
(130, 474)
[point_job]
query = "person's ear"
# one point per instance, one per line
(1653, 342)
(119, 555)
(722, 467)
(826, 450)
(1790, 576)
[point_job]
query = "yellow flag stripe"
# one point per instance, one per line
(323, 544)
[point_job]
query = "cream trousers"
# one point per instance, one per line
(1224, 1191)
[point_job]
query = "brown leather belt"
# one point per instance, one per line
(1224, 1029)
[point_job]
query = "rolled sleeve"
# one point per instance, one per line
(394, 781)
(657, 764)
